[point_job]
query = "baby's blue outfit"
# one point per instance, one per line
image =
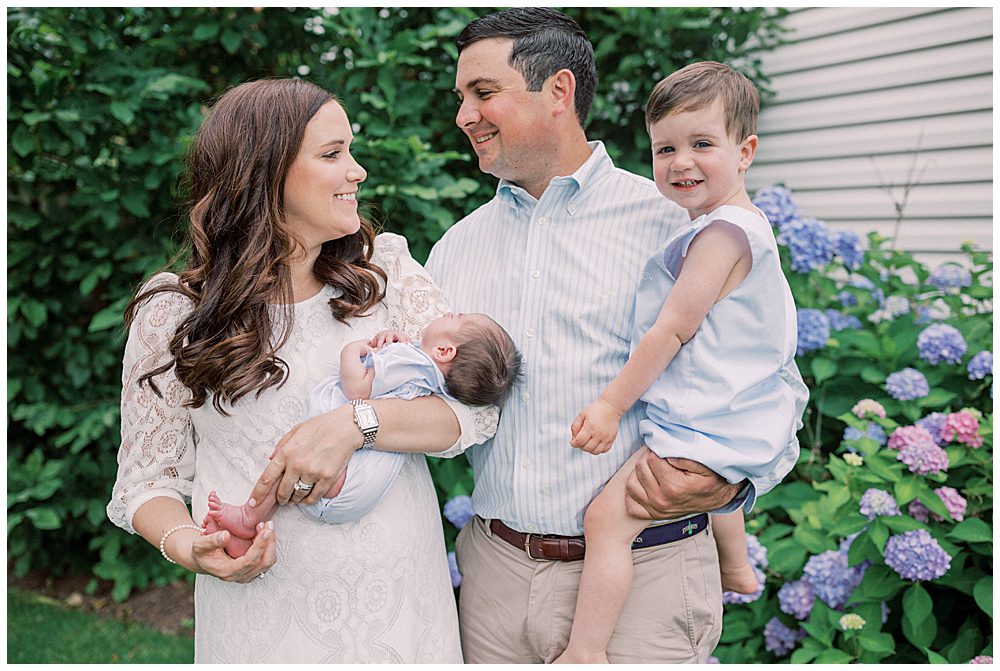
(402, 370)
(732, 398)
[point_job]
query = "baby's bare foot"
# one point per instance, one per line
(236, 547)
(740, 579)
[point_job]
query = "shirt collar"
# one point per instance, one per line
(587, 174)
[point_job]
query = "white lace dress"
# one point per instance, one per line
(375, 590)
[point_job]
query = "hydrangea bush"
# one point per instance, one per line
(879, 544)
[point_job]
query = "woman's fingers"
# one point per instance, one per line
(265, 483)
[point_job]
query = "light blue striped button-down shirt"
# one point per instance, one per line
(560, 275)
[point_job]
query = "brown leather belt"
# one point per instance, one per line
(572, 548)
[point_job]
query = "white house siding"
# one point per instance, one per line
(879, 95)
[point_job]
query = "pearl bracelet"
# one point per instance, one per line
(166, 534)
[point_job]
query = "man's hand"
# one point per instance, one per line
(383, 338)
(663, 489)
(595, 429)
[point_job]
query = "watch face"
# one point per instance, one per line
(366, 417)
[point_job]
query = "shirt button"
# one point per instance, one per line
(525, 396)
(535, 274)
(542, 221)
(530, 333)
(532, 529)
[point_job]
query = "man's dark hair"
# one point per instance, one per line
(545, 41)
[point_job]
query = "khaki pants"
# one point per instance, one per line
(513, 609)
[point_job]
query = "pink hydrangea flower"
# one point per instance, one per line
(962, 426)
(866, 406)
(909, 435)
(953, 501)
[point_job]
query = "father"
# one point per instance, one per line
(555, 257)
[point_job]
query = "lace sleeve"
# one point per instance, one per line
(156, 457)
(413, 300)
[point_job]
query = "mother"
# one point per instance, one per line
(219, 361)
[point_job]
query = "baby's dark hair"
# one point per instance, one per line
(486, 366)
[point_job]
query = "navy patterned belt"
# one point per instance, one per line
(572, 548)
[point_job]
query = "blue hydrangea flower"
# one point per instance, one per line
(814, 330)
(923, 457)
(736, 597)
(941, 342)
(831, 578)
(777, 204)
(981, 365)
(458, 510)
(779, 639)
(796, 598)
(873, 431)
(839, 321)
(809, 243)
(891, 307)
(876, 502)
(456, 577)
(950, 277)
(849, 249)
(756, 552)
(847, 299)
(935, 311)
(907, 385)
(915, 555)
(934, 422)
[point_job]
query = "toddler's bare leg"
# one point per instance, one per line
(731, 542)
(607, 571)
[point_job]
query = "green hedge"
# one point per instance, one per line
(101, 104)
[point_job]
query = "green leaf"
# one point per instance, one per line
(876, 641)
(823, 369)
(35, 312)
(123, 111)
(43, 518)
(933, 657)
(902, 523)
(135, 203)
(231, 40)
(205, 31)
(878, 533)
(983, 593)
(873, 375)
(109, 317)
(812, 540)
(938, 398)
(972, 529)
(833, 656)
(810, 648)
(917, 604)
(21, 140)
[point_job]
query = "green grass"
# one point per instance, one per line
(41, 630)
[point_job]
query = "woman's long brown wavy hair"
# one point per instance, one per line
(239, 248)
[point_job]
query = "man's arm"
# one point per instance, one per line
(664, 489)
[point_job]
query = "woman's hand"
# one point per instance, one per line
(314, 452)
(209, 557)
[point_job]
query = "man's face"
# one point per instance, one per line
(506, 124)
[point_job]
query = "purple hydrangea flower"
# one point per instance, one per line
(950, 276)
(796, 598)
(962, 426)
(712, 659)
(736, 597)
(924, 457)
(934, 423)
(456, 577)
(873, 431)
(907, 385)
(919, 511)
(981, 659)
(831, 578)
(953, 501)
(777, 204)
(885, 612)
(809, 243)
(756, 552)
(847, 299)
(849, 249)
(779, 639)
(839, 321)
(981, 365)
(459, 511)
(915, 555)
(941, 342)
(876, 502)
(814, 330)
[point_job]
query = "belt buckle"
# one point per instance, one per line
(527, 549)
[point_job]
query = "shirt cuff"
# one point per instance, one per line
(745, 498)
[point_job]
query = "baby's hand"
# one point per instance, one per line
(358, 348)
(595, 429)
(383, 338)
